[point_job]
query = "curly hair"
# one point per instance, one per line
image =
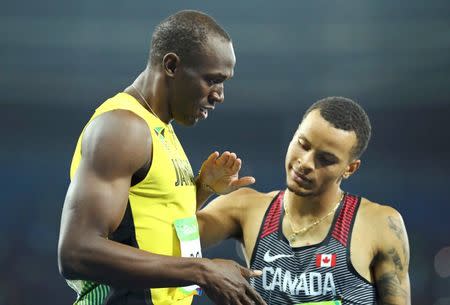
(344, 113)
(184, 34)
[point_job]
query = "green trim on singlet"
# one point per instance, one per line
(95, 296)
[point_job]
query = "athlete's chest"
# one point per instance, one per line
(309, 271)
(316, 267)
(356, 249)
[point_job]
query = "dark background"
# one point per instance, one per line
(60, 59)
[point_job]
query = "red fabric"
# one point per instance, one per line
(272, 221)
(342, 227)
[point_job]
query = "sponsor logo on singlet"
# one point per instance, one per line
(269, 259)
(307, 283)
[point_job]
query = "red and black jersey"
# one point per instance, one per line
(320, 273)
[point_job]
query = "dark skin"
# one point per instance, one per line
(318, 158)
(97, 196)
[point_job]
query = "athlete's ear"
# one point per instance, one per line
(351, 168)
(170, 64)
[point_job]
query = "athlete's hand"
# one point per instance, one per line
(220, 174)
(227, 284)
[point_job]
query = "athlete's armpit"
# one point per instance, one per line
(390, 265)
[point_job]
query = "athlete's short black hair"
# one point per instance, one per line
(344, 113)
(183, 33)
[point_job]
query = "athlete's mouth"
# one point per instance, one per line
(204, 111)
(301, 177)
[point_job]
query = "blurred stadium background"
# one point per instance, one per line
(60, 59)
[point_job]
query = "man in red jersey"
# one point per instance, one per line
(315, 243)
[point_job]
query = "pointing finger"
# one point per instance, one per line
(248, 273)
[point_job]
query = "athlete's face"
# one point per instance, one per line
(199, 82)
(319, 156)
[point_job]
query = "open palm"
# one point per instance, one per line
(221, 173)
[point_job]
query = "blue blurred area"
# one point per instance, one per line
(59, 60)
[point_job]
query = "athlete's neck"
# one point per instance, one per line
(313, 206)
(149, 83)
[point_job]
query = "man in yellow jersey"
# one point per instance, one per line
(315, 243)
(128, 222)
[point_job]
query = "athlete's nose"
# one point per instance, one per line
(217, 94)
(306, 162)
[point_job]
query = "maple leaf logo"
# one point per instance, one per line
(325, 260)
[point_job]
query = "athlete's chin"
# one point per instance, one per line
(299, 190)
(193, 120)
(188, 121)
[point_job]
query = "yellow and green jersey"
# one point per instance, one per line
(167, 193)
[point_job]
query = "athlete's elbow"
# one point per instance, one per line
(66, 271)
(69, 261)
(66, 263)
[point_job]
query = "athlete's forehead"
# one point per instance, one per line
(323, 136)
(216, 57)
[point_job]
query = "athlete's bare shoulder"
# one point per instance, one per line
(374, 213)
(382, 225)
(248, 198)
(116, 141)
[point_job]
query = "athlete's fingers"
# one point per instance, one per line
(236, 166)
(246, 300)
(210, 161)
(248, 273)
(244, 181)
(251, 296)
(222, 160)
(257, 299)
(212, 157)
(231, 160)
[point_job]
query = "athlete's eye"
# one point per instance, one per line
(214, 80)
(302, 144)
(326, 160)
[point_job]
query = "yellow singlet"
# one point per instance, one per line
(166, 193)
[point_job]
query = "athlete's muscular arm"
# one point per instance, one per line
(220, 219)
(391, 262)
(115, 145)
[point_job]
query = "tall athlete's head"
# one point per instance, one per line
(195, 56)
(327, 146)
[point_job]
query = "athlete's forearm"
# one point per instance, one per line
(112, 263)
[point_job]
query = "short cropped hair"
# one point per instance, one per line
(184, 34)
(344, 113)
